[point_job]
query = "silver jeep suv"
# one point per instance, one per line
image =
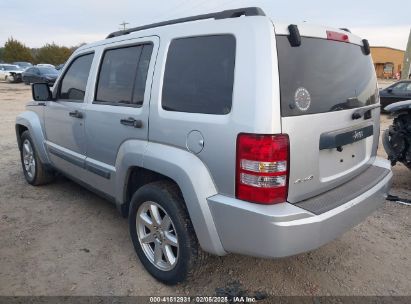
(219, 133)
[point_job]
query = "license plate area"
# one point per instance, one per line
(340, 138)
(344, 151)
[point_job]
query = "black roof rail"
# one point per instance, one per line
(345, 29)
(234, 13)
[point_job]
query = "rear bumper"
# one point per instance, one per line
(285, 229)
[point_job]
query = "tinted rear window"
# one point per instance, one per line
(199, 75)
(337, 76)
(117, 75)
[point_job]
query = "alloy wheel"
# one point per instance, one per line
(29, 160)
(157, 236)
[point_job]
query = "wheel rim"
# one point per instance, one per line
(157, 236)
(29, 161)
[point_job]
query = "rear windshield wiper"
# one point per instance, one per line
(360, 112)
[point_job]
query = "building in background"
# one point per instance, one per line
(388, 61)
(406, 70)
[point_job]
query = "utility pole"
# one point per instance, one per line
(406, 66)
(123, 25)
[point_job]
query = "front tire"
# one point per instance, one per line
(162, 233)
(34, 170)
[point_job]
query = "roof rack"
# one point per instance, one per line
(234, 13)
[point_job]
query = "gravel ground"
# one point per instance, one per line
(61, 239)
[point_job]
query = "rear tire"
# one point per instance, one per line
(34, 170)
(162, 233)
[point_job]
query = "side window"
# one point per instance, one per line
(199, 75)
(400, 87)
(74, 82)
(123, 75)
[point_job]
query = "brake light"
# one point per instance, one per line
(337, 36)
(262, 168)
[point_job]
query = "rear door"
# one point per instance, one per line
(120, 106)
(329, 109)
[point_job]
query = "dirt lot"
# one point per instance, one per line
(61, 239)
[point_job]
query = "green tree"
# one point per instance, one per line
(1, 54)
(52, 53)
(16, 51)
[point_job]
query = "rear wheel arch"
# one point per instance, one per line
(136, 178)
(183, 169)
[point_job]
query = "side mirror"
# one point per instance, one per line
(389, 90)
(41, 92)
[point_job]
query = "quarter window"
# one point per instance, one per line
(123, 74)
(74, 83)
(199, 75)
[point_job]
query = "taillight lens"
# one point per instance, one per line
(262, 168)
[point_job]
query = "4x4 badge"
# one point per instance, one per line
(302, 180)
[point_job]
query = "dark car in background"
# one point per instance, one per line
(40, 74)
(398, 91)
(23, 64)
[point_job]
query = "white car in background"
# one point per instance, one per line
(10, 73)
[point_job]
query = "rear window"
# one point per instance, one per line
(330, 75)
(122, 76)
(199, 75)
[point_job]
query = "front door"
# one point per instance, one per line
(64, 118)
(119, 110)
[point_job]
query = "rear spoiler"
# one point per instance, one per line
(295, 38)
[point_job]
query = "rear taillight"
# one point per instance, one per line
(262, 168)
(337, 36)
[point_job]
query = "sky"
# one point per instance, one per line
(71, 22)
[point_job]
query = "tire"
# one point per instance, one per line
(165, 197)
(34, 170)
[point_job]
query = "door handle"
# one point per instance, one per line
(76, 114)
(131, 122)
